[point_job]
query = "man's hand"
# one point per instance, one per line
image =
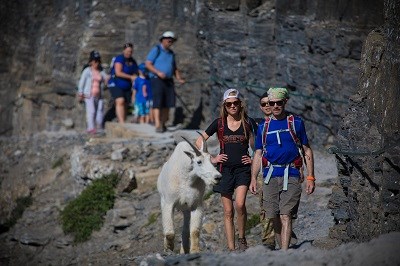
(180, 80)
(310, 187)
(253, 186)
(160, 74)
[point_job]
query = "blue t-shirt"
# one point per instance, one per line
(163, 60)
(283, 153)
(129, 66)
(138, 86)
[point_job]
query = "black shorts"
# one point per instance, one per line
(117, 92)
(232, 177)
(163, 93)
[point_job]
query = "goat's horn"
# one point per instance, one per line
(205, 149)
(198, 153)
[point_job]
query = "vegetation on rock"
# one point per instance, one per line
(86, 213)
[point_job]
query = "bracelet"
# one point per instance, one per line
(311, 178)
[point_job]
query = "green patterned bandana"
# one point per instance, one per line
(278, 93)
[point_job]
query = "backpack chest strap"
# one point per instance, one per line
(277, 132)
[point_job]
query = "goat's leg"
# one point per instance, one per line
(195, 225)
(168, 225)
(185, 245)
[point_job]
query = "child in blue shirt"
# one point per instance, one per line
(142, 96)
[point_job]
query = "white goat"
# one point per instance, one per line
(181, 184)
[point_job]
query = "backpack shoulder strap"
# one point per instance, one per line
(220, 132)
(292, 130)
(265, 131)
(158, 53)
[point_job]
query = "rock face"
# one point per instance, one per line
(366, 201)
(313, 48)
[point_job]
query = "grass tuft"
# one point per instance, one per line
(253, 221)
(86, 213)
(152, 218)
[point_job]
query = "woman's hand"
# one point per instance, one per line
(80, 97)
(246, 159)
(220, 158)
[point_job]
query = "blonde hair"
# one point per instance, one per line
(242, 113)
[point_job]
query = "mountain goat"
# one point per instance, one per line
(181, 184)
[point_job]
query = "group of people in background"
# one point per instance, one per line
(279, 140)
(148, 87)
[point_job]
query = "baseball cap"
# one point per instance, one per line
(94, 55)
(231, 93)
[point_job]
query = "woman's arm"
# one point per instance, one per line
(120, 74)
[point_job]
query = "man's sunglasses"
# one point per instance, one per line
(229, 104)
(270, 103)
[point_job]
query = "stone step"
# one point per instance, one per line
(147, 132)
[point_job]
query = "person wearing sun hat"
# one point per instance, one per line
(282, 185)
(235, 131)
(160, 62)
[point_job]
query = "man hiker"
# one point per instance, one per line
(162, 66)
(282, 142)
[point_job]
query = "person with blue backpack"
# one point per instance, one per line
(124, 71)
(282, 142)
(142, 96)
(161, 63)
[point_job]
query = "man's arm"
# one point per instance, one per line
(309, 158)
(255, 169)
(178, 76)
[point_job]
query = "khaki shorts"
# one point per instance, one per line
(276, 201)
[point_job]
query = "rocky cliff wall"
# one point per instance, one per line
(312, 47)
(366, 202)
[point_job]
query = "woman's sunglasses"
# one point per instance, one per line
(229, 104)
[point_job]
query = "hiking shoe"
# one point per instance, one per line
(159, 130)
(242, 244)
(91, 131)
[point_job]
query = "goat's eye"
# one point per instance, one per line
(199, 162)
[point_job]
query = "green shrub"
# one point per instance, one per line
(252, 222)
(86, 213)
(22, 204)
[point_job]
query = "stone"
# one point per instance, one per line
(119, 154)
(68, 123)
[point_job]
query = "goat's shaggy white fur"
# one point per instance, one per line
(181, 184)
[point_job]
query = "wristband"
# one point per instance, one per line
(311, 178)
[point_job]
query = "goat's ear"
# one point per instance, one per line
(191, 155)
